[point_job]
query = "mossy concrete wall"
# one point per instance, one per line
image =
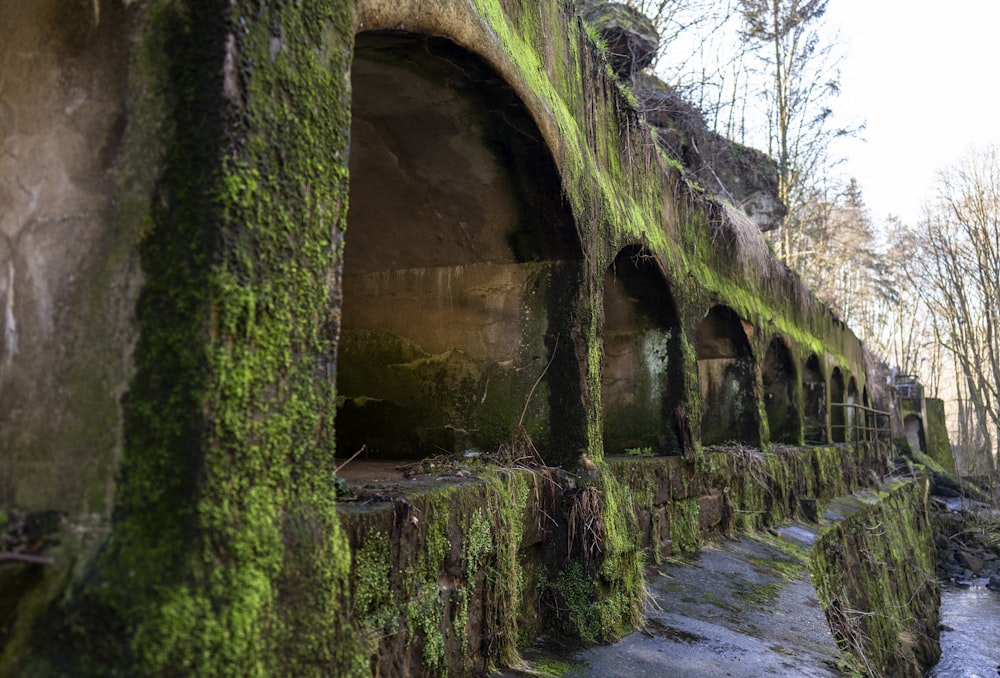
(457, 575)
(445, 578)
(202, 149)
(226, 554)
(93, 116)
(874, 572)
(680, 503)
(938, 443)
(623, 192)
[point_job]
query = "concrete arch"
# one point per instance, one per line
(814, 401)
(462, 263)
(781, 393)
(726, 379)
(642, 382)
(838, 418)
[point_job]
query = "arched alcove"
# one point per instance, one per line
(913, 426)
(462, 266)
(870, 420)
(838, 418)
(643, 378)
(725, 378)
(852, 415)
(814, 401)
(781, 393)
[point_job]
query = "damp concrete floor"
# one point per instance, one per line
(741, 607)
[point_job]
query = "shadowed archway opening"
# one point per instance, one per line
(814, 402)
(838, 417)
(852, 415)
(781, 393)
(462, 265)
(642, 381)
(725, 379)
(913, 426)
(869, 417)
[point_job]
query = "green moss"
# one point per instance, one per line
(509, 501)
(463, 557)
(758, 595)
(424, 617)
(478, 543)
(228, 555)
(372, 602)
(685, 528)
(639, 451)
(576, 591)
(874, 575)
(226, 545)
(550, 667)
(938, 444)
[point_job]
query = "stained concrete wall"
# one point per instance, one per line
(782, 389)
(68, 276)
(938, 444)
(642, 378)
(226, 544)
(459, 260)
(69, 265)
(726, 377)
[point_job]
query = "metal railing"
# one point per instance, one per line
(907, 386)
(872, 424)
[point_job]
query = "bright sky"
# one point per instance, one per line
(926, 78)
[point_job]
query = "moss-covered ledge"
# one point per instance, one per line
(441, 573)
(455, 575)
(680, 502)
(874, 573)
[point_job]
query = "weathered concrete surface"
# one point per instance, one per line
(741, 607)
(65, 298)
(874, 572)
(458, 253)
(938, 445)
(227, 554)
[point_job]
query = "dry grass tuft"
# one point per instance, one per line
(586, 525)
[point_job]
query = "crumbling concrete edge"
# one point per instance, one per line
(873, 570)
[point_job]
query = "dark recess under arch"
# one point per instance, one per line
(838, 416)
(462, 264)
(726, 378)
(814, 401)
(643, 376)
(781, 393)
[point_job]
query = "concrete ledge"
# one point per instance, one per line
(874, 572)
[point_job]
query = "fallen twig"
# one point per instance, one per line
(25, 558)
(337, 470)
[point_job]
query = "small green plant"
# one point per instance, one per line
(639, 451)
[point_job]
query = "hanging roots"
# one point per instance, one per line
(586, 525)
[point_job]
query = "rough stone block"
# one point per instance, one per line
(710, 508)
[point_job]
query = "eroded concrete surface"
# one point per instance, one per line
(741, 607)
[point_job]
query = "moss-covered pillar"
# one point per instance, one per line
(938, 443)
(226, 556)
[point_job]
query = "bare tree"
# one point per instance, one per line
(703, 59)
(798, 65)
(957, 274)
